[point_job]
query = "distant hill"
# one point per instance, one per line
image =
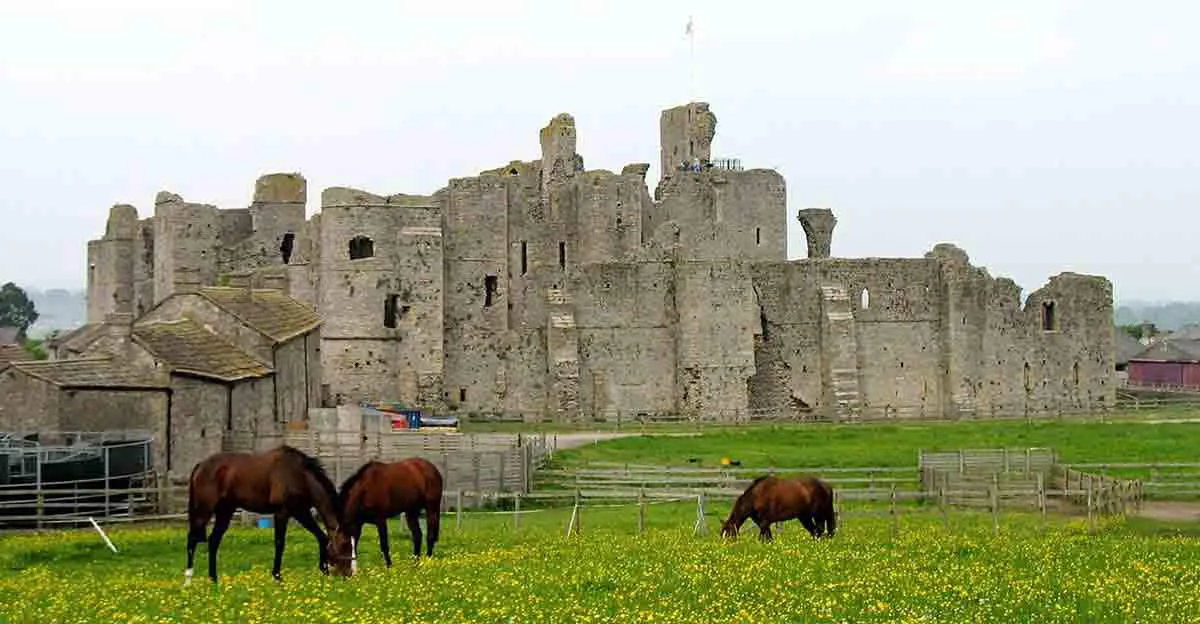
(57, 309)
(1168, 316)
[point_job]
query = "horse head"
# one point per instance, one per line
(730, 528)
(342, 552)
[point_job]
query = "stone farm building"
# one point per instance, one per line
(550, 290)
(190, 369)
(10, 346)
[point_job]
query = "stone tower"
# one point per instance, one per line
(685, 133)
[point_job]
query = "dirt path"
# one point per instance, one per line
(1172, 511)
(584, 438)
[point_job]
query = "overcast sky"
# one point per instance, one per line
(1039, 135)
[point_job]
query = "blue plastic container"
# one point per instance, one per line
(264, 522)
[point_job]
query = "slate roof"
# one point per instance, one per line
(189, 348)
(270, 312)
(13, 353)
(79, 338)
(1126, 346)
(89, 373)
(1171, 351)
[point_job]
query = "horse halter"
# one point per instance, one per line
(353, 556)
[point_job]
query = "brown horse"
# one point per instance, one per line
(770, 499)
(283, 481)
(379, 491)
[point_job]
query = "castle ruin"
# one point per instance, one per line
(554, 291)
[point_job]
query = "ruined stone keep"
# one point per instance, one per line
(547, 289)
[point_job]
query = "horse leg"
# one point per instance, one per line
(764, 531)
(305, 520)
(196, 535)
(281, 522)
(807, 521)
(432, 522)
(220, 525)
(413, 516)
(384, 546)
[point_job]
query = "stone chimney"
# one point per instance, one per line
(818, 224)
(119, 328)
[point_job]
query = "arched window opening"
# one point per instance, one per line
(489, 290)
(1049, 322)
(361, 247)
(865, 299)
(285, 247)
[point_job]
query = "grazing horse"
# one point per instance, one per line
(379, 491)
(770, 499)
(282, 481)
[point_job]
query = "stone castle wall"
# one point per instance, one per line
(545, 288)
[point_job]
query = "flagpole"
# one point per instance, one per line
(691, 33)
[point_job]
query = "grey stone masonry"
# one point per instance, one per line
(543, 288)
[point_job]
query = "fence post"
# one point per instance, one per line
(942, 507)
(107, 494)
(701, 526)
(895, 518)
(517, 511)
(1090, 517)
(500, 460)
(573, 526)
(458, 509)
(641, 510)
(1041, 498)
(41, 496)
(995, 504)
(475, 467)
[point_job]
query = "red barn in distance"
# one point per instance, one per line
(1172, 363)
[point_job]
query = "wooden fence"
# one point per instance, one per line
(1024, 477)
(601, 478)
(492, 462)
(851, 504)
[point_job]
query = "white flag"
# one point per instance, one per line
(688, 30)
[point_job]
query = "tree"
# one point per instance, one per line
(1140, 330)
(36, 348)
(16, 310)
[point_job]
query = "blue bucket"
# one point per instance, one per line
(264, 522)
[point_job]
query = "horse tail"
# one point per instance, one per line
(433, 507)
(193, 504)
(197, 511)
(830, 510)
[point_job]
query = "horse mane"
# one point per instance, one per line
(352, 479)
(747, 495)
(756, 481)
(313, 466)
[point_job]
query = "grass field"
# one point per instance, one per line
(897, 444)
(488, 572)
(1171, 407)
